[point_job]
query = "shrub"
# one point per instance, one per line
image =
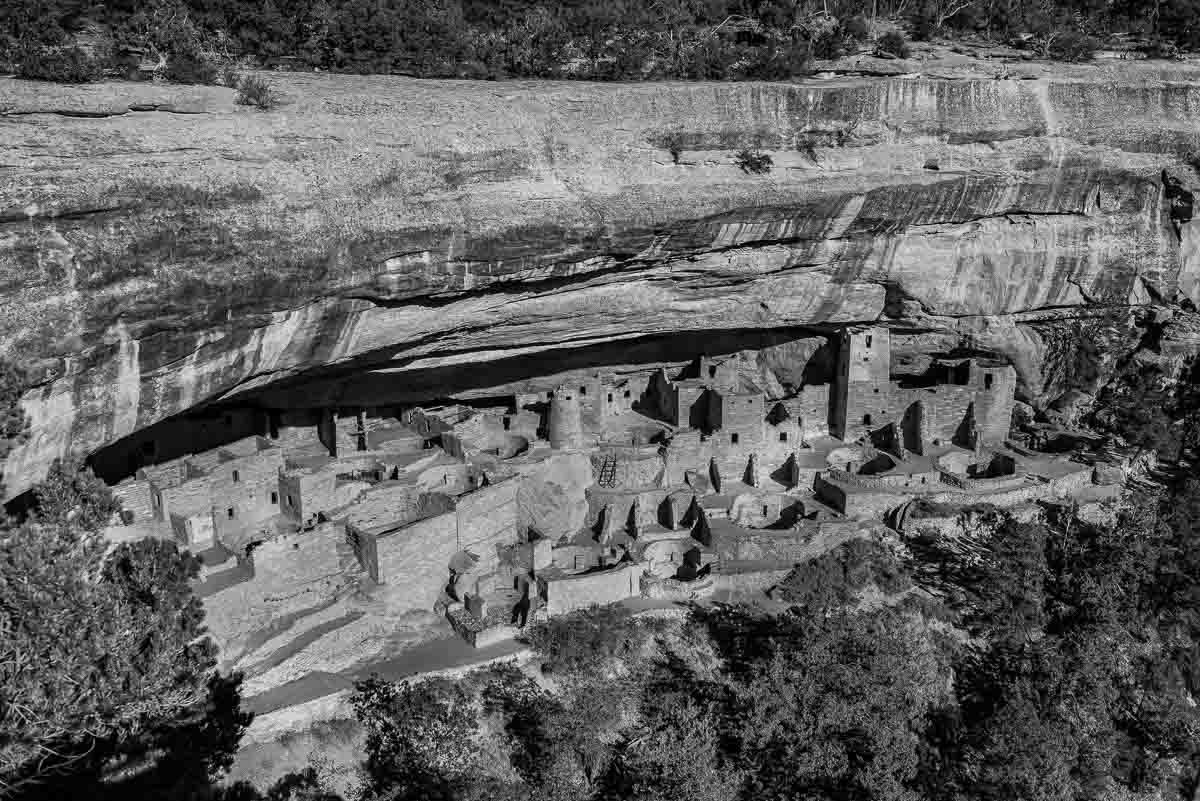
(1068, 46)
(190, 67)
(14, 426)
(892, 44)
(1160, 48)
(62, 65)
(255, 91)
(587, 637)
(674, 144)
(753, 162)
(825, 40)
(856, 29)
(230, 76)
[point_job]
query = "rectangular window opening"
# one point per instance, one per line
(229, 512)
(275, 497)
(783, 436)
(733, 438)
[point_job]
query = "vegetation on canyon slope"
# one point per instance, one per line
(1051, 660)
(592, 39)
(107, 686)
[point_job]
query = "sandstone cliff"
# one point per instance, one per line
(162, 248)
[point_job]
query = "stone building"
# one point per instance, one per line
(565, 424)
(967, 401)
(218, 494)
(862, 387)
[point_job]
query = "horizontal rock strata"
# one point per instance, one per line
(382, 237)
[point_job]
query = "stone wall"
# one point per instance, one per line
(734, 580)
(746, 545)
(857, 504)
(390, 503)
(866, 407)
(669, 589)
(925, 480)
(194, 530)
(740, 417)
(295, 429)
(292, 559)
(691, 407)
(568, 593)
(572, 558)
(487, 519)
(757, 510)
(996, 386)
(245, 491)
(415, 559)
(632, 467)
(551, 496)
(811, 406)
(998, 484)
(136, 498)
(305, 493)
(187, 498)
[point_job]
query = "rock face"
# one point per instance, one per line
(381, 238)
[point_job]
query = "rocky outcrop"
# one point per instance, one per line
(383, 238)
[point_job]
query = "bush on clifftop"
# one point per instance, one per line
(62, 65)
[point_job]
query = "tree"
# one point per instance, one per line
(14, 424)
(420, 738)
(673, 754)
(72, 496)
(828, 705)
(96, 651)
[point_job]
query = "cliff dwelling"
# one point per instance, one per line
(665, 484)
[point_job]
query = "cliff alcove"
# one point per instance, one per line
(384, 239)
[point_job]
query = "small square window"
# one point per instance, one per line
(627, 393)
(733, 438)
(583, 390)
(783, 436)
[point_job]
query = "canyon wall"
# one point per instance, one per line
(386, 239)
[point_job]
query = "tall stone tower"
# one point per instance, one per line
(861, 389)
(565, 426)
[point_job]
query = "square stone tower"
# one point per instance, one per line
(861, 399)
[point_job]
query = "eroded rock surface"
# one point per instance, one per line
(384, 238)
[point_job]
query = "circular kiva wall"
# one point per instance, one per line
(627, 468)
(867, 462)
(664, 557)
(970, 465)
